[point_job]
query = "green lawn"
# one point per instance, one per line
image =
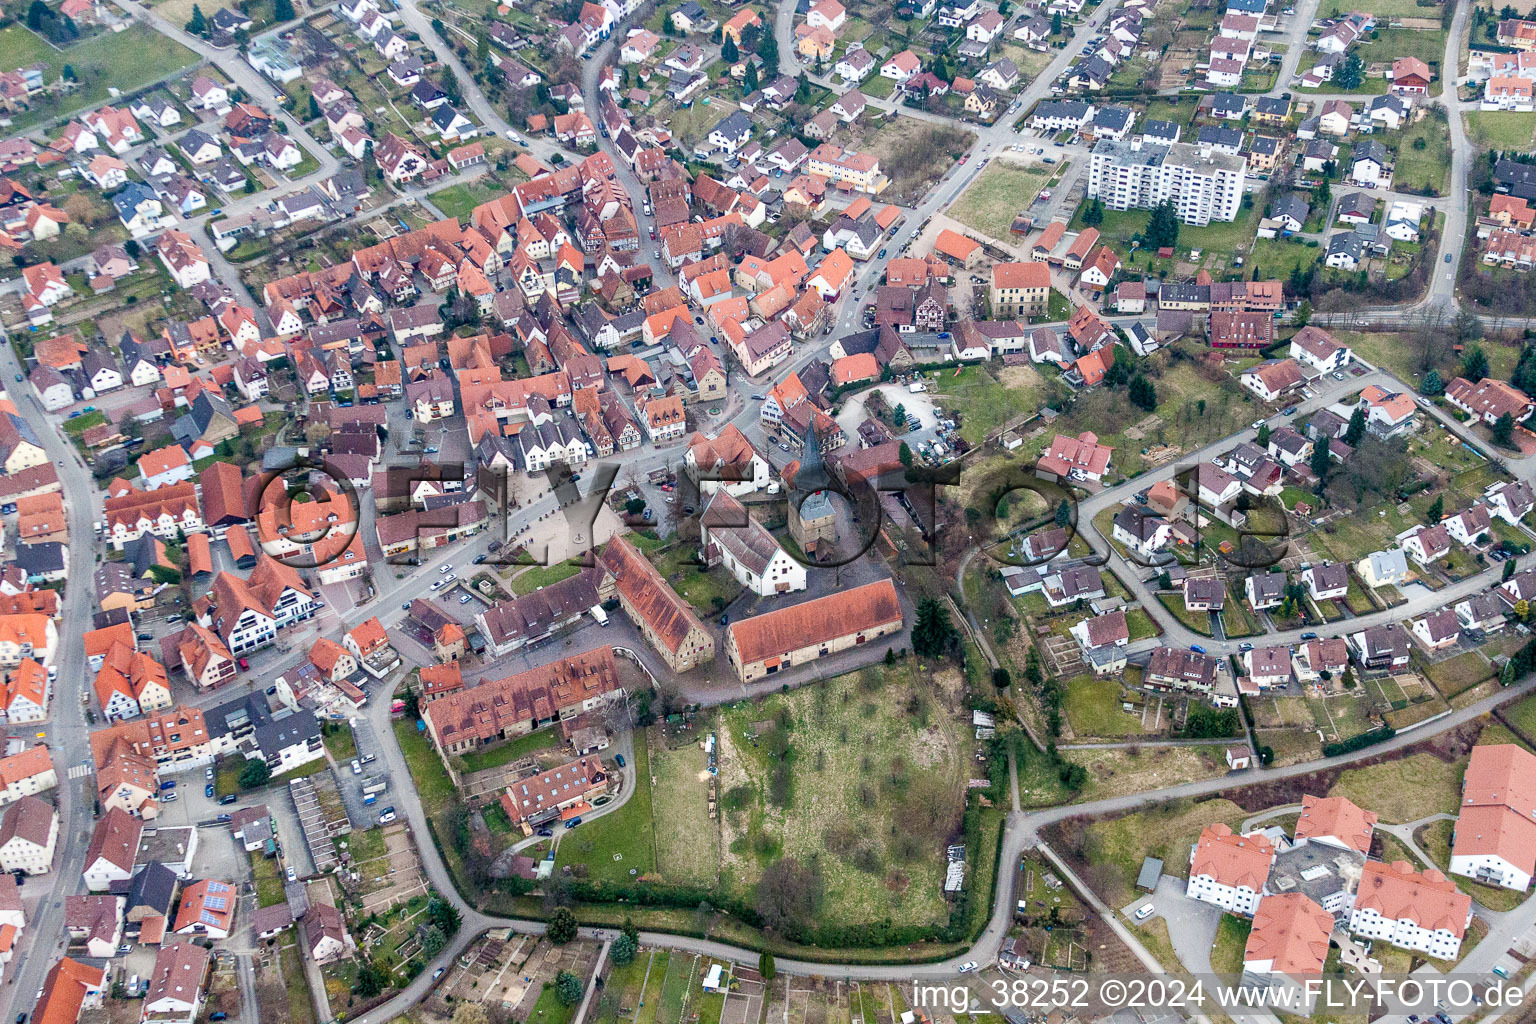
(1093, 708)
(534, 577)
(1416, 170)
(1218, 241)
(21, 47)
(1140, 624)
(1275, 257)
(1522, 715)
(1498, 129)
(1455, 675)
(1404, 789)
(433, 784)
(1236, 619)
(983, 402)
(1390, 43)
(496, 820)
(1390, 8)
(997, 196)
(269, 880)
(877, 86)
(1231, 938)
(511, 750)
(707, 590)
(79, 424)
(1166, 832)
(301, 1008)
(627, 833)
(458, 200)
(125, 60)
(1200, 622)
(339, 741)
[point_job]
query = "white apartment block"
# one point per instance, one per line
(1203, 184)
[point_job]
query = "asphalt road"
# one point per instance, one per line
(66, 730)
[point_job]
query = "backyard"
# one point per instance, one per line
(1423, 162)
(1093, 708)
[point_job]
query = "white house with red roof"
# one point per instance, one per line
(1228, 869)
(1495, 838)
(1335, 821)
(1418, 910)
(1080, 457)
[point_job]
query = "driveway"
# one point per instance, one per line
(1191, 924)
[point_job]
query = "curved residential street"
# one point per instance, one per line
(67, 733)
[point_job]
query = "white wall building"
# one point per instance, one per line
(1203, 184)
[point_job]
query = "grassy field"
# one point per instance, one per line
(534, 577)
(1522, 715)
(1093, 708)
(301, 1008)
(1406, 789)
(125, 60)
(339, 742)
(1390, 43)
(613, 845)
(1194, 407)
(1498, 129)
(993, 199)
(1392, 8)
(459, 200)
(1116, 847)
(1231, 937)
(1274, 257)
(1458, 674)
(1435, 840)
(1418, 169)
(864, 773)
(511, 750)
(708, 591)
(984, 400)
(1397, 353)
(681, 793)
(269, 880)
(1218, 241)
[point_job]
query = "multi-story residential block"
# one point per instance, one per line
(1202, 183)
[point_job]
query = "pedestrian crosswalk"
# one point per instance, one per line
(79, 771)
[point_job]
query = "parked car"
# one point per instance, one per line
(572, 823)
(293, 876)
(228, 798)
(1144, 911)
(618, 759)
(388, 816)
(208, 791)
(357, 767)
(968, 967)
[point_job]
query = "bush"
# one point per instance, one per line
(1360, 742)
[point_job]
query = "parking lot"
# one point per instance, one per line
(350, 783)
